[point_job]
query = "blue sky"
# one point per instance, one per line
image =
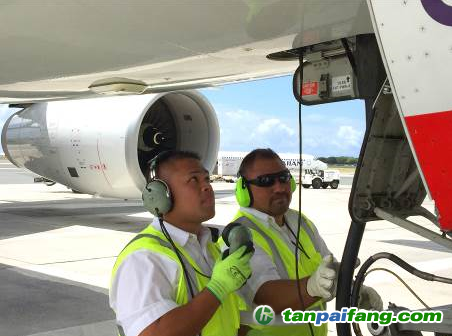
(5, 112)
(264, 113)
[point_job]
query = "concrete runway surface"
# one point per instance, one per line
(57, 249)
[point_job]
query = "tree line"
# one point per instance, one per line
(339, 160)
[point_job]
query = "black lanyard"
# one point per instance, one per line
(298, 244)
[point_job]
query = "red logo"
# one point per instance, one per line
(310, 88)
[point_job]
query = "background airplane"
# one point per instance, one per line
(229, 162)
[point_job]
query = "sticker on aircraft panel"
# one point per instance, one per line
(341, 83)
(310, 88)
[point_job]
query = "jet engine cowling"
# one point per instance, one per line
(103, 145)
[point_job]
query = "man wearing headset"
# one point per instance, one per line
(170, 279)
(264, 192)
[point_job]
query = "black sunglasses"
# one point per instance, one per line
(268, 180)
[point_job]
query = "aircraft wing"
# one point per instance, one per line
(57, 50)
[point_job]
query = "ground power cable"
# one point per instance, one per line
(300, 143)
(363, 272)
(402, 281)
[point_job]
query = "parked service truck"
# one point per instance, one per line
(318, 178)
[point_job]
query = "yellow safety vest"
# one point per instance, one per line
(284, 258)
(226, 320)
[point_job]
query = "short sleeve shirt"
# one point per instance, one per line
(145, 285)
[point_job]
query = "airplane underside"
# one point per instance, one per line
(394, 55)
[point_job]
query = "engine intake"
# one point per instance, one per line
(103, 145)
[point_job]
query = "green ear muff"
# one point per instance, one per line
(242, 193)
(293, 184)
(157, 197)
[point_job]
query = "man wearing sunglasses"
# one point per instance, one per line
(264, 192)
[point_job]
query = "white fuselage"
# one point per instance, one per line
(57, 49)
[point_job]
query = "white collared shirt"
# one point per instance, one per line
(145, 285)
(263, 267)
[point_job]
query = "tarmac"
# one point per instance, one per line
(57, 249)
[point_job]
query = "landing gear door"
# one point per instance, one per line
(387, 176)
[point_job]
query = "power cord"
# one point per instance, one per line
(403, 282)
(176, 250)
(300, 142)
(403, 264)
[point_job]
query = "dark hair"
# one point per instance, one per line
(168, 156)
(251, 157)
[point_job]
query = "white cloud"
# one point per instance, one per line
(270, 125)
(349, 136)
(243, 130)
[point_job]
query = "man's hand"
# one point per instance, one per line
(369, 299)
(322, 282)
(231, 273)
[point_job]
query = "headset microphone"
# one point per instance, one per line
(235, 235)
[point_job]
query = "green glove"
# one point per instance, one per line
(231, 273)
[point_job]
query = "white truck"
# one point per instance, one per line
(320, 178)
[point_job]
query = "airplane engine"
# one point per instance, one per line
(102, 145)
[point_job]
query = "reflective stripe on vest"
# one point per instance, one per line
(283, 255)
(308, 227)
(284, 259)
(226, 319)
(274, 251)
(167, 244)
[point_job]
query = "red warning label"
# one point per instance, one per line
(310, 88)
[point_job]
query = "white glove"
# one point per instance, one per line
(322, 282)
(369, 299)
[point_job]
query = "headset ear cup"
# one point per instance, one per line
(242, 193)
(227, 230)
(293, 184)
(157, 197)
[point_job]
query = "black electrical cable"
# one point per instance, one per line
(407, 267)
(300, 142)
(167, 235)
(299, 244)
(403, 264)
